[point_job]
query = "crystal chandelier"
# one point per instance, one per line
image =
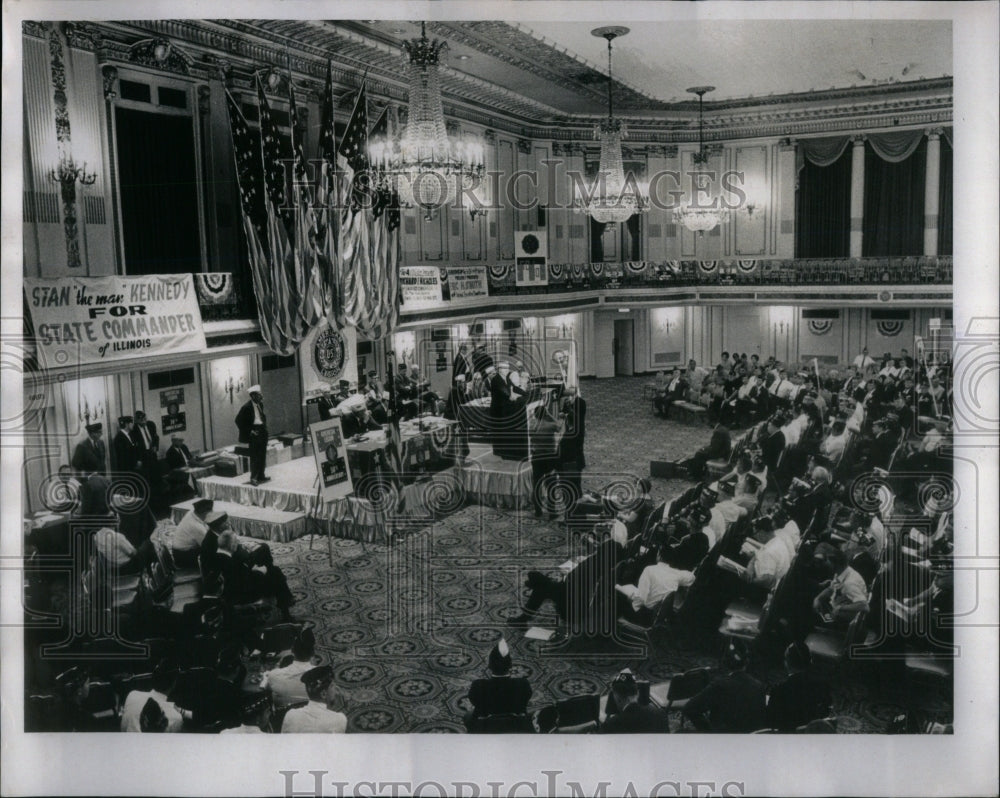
(699, 218)
(611, 197)
(425, 165)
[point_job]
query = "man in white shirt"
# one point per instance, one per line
(286, 684)
(769, 557)
(833, 445)
(255, 714)
(319, 715)
(862, 361)
(727, 511)
(890, 369)
(786, 530)
(188, 535)
(845, 596)
(696, 375)
(656, 582)
(164, 677)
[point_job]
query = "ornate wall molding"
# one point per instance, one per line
(109, 74)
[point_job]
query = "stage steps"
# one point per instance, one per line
(262, 523)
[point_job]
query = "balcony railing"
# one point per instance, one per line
(564, 278)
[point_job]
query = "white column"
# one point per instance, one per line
(857, 195)
(931, 185)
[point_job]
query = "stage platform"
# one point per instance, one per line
(493, 481)
(482, 478)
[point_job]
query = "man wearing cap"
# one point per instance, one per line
(164, 677)
(632, 716)
(252, 424)
(189, 534)
(178, 455)
(90, 455)
(320, 715)
(499, 693)
(255, 714)
(127, 454)
(355, 418)
(285, 683)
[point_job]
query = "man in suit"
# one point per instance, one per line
(128, 457)
(676, 391)
(734, 702)
(147, 442)
(774, 442)
(500, 693)
(252, 424)
(355, 418)
(631, 716)
(90, 455)
(325, 404)
(572, 460)
(463, 364)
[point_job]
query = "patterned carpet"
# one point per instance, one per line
(408, 627)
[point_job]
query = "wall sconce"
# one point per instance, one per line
(781, 326)
(68, 174)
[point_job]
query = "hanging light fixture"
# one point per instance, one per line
(611, 197)
(425, 165)
(694, 217)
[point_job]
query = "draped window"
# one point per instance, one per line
(945, 189)
(895, 170)
(823, 199)
(157, 182)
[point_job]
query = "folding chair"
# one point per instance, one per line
(675, 692)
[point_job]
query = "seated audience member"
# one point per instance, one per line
(801, 697)
(116, 555)
(135, 519)
(62, 493)
(728, 510)
(688, 551)
(675, 391)
(720, 447)
(769, 558)
(635, 518)
(285, 683)
(164, 677)
(733, 703)
(656, 583)
(876, 452)
(632, 716)
(178, 455)
(188, 535)
(357, 420)
(322, 714)
(786, 530)
(867, 534)
(810, 505)
(927, 456)
(255, 714)
(152, 718)
(845, 596)
(586, 592)
(223, 556)
(499, 693)
(831, 448)
(695, 376)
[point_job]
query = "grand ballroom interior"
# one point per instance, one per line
(485, 376)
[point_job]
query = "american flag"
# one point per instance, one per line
(276, 154)
(353, 152)
(310, 276)
(382, 195)
(327, 201)
(250, 177)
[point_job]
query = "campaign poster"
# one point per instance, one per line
(330, 453)
(173, 417)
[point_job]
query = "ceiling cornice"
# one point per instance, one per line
(235, 49)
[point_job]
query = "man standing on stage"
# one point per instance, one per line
(148, 444)
(128, 458)
(252, 424)
(90, 455)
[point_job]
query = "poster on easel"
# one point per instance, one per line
(330, 453)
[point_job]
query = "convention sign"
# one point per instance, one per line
(420, 286)
(79, 320)
(330, 453)
(466, 282)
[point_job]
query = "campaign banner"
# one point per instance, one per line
(420, 286)
(327, 355)
(330, 453)
(464, 282)
(80, 320)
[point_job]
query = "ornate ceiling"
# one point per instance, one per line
(548, 79)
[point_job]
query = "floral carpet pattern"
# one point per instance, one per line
(408, 627)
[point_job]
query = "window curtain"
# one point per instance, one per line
(597, 241)
(157, 182)
(895, 170)
(945, 190)
(823, 201)
(632, 225)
